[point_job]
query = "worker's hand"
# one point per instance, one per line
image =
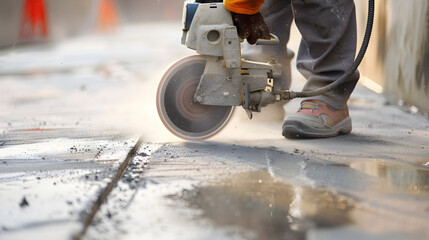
(251, 27)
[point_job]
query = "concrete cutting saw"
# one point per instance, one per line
(197, 95)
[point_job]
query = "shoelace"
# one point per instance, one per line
(315, 106)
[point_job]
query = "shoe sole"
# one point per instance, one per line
(297, 130)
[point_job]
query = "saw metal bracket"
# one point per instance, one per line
(245, 99)
(231, 47)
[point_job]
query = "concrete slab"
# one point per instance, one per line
(56, 154)
(217, 190)
(46, 193)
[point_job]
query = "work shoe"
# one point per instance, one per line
(316, 119)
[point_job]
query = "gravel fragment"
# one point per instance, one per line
(24, 203)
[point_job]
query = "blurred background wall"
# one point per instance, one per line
(398, 56)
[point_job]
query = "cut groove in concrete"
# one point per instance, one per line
(103, 195)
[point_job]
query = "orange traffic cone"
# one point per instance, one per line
(34, 22)
(108, 17)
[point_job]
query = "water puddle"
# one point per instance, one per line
(397, 177)
(266, 208)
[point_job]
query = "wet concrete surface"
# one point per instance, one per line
(396, 177)
(240, 192)
(65, 130)
(267, 208)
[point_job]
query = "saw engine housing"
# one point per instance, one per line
(197, 95)
(228, 79)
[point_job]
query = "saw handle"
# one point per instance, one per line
(274, 40)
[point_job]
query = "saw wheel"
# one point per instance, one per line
(176, 107)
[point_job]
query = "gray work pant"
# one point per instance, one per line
(328, 45)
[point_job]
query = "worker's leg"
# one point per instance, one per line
(328, 46)
(327, 50)
(278, 16)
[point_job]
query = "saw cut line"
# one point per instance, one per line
(105, 193)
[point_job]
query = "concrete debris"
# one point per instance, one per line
(24, 203)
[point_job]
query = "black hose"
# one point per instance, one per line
(349, 72)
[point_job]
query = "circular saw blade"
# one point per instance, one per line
(176, 107)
